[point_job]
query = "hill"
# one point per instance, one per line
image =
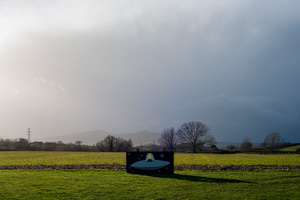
(291, 147)
(92, 137)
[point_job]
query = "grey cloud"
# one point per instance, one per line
(151, 65)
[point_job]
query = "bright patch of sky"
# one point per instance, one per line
(126, 66)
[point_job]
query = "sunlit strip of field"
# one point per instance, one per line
(117, 184)
(293, 148)
(73, 158)
(60, 158)
(237, 159)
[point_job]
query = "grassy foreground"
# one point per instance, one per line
(64, 158)
(117, 184)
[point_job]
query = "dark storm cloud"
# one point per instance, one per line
(232, 65)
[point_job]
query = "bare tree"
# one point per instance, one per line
(246, 144)
(123, 145)
(168, 139)
(78, 143)
(193, 133)
(49, 146)
(101, 146)
(7, 144)
(231, 147)
(110, 142)
(209, 140)
(113, 144)
(272, 140)
(22, 144)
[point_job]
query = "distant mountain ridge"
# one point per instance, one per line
(92, 137)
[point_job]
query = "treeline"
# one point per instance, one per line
(108, 144)
(272, 144)
(114, 144)
(192, 136)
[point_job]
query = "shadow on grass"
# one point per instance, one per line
(196, 178)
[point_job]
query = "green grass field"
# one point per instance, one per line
(60, 158)
(293, 148)
(117, 184)
(63, 158)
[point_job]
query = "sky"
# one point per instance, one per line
(72, 66)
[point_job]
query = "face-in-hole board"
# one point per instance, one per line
(156, 162)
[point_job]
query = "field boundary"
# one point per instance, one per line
(176, 167)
